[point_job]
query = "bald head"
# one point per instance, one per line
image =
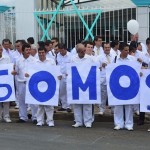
(135, 37)
(80, 50)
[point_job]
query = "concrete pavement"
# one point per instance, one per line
(26, 136)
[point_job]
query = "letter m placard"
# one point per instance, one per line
(83, 84)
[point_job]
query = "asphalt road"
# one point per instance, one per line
(26, 136)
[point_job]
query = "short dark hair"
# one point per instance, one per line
(148, 41)
(26, 45)
(105, 43)
(41, 44)
(134, 44)
(55, 38)
(5, 40)
(30, 40)
(97, 37)
(114, 43)
(48, 42)
(88, 42)
(23, 41)
(62, 46)
(17, 41)
(122, 46)
(42, 48)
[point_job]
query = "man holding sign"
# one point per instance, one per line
(22, 66)
(4, 106)
(82, 90)
(123, 88)
(42, 109)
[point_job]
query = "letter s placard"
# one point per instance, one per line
(7, 92)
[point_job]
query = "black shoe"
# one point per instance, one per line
(34, 121)
(61, 109)
(21, 121)
(69, 110)
(140, 122)
(29, 116)
(12, 104)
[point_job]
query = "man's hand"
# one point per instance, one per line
(27, 75)
(59, 77)
(14, 72)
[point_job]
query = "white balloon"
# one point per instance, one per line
(133, 26)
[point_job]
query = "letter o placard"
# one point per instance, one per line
(33, 86)
(148, 81)
(124, 93)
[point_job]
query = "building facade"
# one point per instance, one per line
(42, 20)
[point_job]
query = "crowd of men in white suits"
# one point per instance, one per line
(54, 53)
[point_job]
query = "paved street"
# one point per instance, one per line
(15, 136)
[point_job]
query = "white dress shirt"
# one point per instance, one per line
(108, 59)
(16, 56)
(4, 60)
(51, 55)
(8, 53)
(115, 53)
(127, 59)
(86, 58)
(63, 61)
(46, 61)
(74, 51)
(22, 66)
(101, 51)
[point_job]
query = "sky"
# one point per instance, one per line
(7, 2)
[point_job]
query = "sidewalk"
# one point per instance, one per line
(63, 115)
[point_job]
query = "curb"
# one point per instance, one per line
(14, 114)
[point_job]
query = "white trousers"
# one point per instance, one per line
(22, 105)
(17, 91)
(34, 109)
(4, 110)
(63, 94)
(136, 107)
(83, 113)
(42, 109)
(119, 116)
(102, 106)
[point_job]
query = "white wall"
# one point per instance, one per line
(25, 21)
(143, 19)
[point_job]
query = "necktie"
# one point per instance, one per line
(52, 52)
(117, 52)
(56, 59)
(98, 50)
(108, 59)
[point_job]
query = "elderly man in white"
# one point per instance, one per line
(82, 112)
(4, 106)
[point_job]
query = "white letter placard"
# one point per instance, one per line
(145, 91)
(43, 85)
(7, 92)
(123, 83)
(83, 84)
